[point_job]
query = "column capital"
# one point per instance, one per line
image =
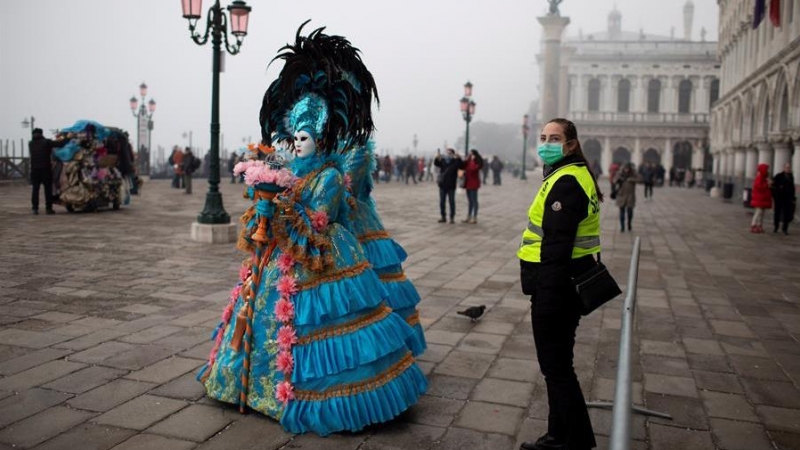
(779, 140)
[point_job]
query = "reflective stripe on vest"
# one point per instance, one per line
(587, 240)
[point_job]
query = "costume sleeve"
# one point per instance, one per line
(302, 227)
(566, 206)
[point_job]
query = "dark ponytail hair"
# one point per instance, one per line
(571, 133)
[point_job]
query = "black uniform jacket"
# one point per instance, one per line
(549, 281)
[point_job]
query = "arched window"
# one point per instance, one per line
(653, 95)
(624, 95)
(594, 94)
(684, 96)
(714, 94)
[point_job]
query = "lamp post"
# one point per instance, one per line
(525, 129)
(144, 127)
(467, 111)
(217, 27)
(29, 123)
(415, 142)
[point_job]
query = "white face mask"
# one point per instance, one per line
(304, 144)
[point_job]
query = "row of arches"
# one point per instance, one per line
(681, 154)
(654, 88)
(769, 107)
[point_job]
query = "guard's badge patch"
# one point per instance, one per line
(556, 206)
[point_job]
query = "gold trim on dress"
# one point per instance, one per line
(347, 390)
(398, 276)
(335, 276)
(413, 319)
(348, 327)
(373, 236)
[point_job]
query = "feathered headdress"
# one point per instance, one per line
(325, 89)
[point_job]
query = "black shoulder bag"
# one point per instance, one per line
(595, 287)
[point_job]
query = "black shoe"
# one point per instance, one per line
(442, 220)
(545, 442)
(786, 232)
(452, 220)
(35, 212)
(50, 211)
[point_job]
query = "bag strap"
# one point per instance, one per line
(598, 257)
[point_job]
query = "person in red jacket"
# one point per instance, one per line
(761, 197)
(472, 182)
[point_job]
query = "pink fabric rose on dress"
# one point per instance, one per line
(286, 337)
(235, 293)
(284, 310)
(285, 263)
(244, 272)
(348, 182)
(285, 362)
(319, 220)
(286, 286)
(284, 392)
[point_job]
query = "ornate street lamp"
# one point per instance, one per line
(217, 27)
(29, 123)
(144, 127)
(525, 129)
(467, 111)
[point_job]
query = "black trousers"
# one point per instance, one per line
(554, 335)
(451, 195)
(38, 178)
(784, 212)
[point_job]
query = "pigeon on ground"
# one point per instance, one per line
(473, 312)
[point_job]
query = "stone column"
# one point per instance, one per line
(636, 158)
(667, 157)
(635, 94)
(702, 92)
(765, 153)
(605, 155)
(750, 163)
(739, 158)
(783, 154)
(553, 29)
(563, 83)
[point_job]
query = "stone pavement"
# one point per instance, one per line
(105, 318)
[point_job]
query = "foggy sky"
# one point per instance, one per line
(61, 61)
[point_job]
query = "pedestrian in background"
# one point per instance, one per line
(189, 165)
(613, 169)
(231, 164)
(649, 178)
(449, 166)
(410, 166)
(485, 171)
(472, 182)
(41, 153)
(176, 160)
(785, 198)
(429, 169)
(560, 241)
(387, 168)
(761, 198)
(497, 169)
(625, 188)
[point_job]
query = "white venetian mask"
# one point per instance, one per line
(304, 144)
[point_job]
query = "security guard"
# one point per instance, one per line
(562, 235)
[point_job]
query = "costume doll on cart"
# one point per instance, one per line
(309, 337)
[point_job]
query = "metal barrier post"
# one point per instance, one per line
(622, 406)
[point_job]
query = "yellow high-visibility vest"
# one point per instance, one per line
(587, 240)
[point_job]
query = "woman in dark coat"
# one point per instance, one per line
(785, 198)
(625, 187)
(472, 182)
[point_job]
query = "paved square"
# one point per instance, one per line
(105, 318)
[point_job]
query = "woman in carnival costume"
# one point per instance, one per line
(308, 336)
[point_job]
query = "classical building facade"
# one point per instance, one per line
(639, 97)
(757, 117)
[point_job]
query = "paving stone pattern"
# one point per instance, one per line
(105, 318)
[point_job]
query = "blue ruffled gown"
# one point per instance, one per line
(383, 252)
(352, 363)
